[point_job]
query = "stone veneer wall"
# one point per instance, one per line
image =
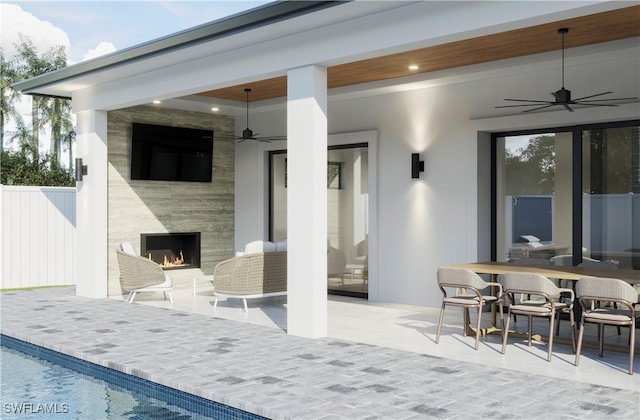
(137, 206)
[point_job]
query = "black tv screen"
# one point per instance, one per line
(165, 153)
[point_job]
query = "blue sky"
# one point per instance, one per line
(88, 29)
(113, 25)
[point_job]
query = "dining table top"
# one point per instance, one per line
(551, 271)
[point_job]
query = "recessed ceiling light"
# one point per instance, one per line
(215, 109)
(413, 67)
(157, 102)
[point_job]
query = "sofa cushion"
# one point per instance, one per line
(281, 245)
(257, 247)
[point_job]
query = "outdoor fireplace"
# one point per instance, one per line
(172, 250)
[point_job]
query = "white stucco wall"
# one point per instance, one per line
(442, 218)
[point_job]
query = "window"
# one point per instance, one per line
(573, 191)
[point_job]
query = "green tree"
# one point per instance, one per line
(8, 95)
(19, 168)
(30, 64)
(532, 170)
(611, 161)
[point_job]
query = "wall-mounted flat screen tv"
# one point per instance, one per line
(163, 153)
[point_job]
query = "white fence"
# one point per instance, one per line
(38, 236)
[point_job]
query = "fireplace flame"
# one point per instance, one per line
(174, 261)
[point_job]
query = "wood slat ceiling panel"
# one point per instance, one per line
(586, 30)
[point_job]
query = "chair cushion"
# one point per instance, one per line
(258, 247)
(468, 299)
(281, 245)
(537, 307)
(608, 314)
(128, 248)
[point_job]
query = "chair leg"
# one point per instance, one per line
(466, 320)
(632, 344)
(440, 323)
(551, 321)
(529, 327)
(245, 305)
(478, 329)
(572, 322)
(580, 335)
(170, 298)
(215, 302)
(601, 335)
(505, 332)
(133, 296)
(501, 318)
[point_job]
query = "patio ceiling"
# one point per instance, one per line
(586, 30)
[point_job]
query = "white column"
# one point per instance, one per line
(91, 205)
(307, 202)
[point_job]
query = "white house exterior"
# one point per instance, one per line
(415, 225)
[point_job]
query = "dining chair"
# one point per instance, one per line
(591, 291)
(467, 288)
(542, 295)
(591, 263)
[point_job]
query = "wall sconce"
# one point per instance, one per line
(81, 170)
(417, 165)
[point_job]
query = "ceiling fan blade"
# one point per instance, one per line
(568, 107)
(590, 104)
(514, 106)
(272, 138)
(593, 96)
(527, 100)
(604, 100)
(542, 107)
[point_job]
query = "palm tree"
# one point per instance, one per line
(32, 64)
(8, 95)
(57, 112)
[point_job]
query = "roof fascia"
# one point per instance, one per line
(240, 22)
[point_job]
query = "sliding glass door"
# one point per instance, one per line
(347, 215)
(569, 195)
(611, 195)
(534, 196)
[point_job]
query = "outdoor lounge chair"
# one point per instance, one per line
(139, 274)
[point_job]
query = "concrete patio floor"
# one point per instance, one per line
(380, 360)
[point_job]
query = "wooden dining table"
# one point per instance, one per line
(551, 271)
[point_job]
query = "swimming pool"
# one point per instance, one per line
(39, 383)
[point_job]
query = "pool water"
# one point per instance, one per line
(37, 383)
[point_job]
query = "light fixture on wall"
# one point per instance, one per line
(81, 170)
(417, 165)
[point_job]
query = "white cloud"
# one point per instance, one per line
(103, 48)
(16, 21)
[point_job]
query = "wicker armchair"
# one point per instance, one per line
(251, 276)
(139, 274)
(592, 291)
(543, 305)
(458, 279)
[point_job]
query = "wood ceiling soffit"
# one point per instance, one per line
(586, 30)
